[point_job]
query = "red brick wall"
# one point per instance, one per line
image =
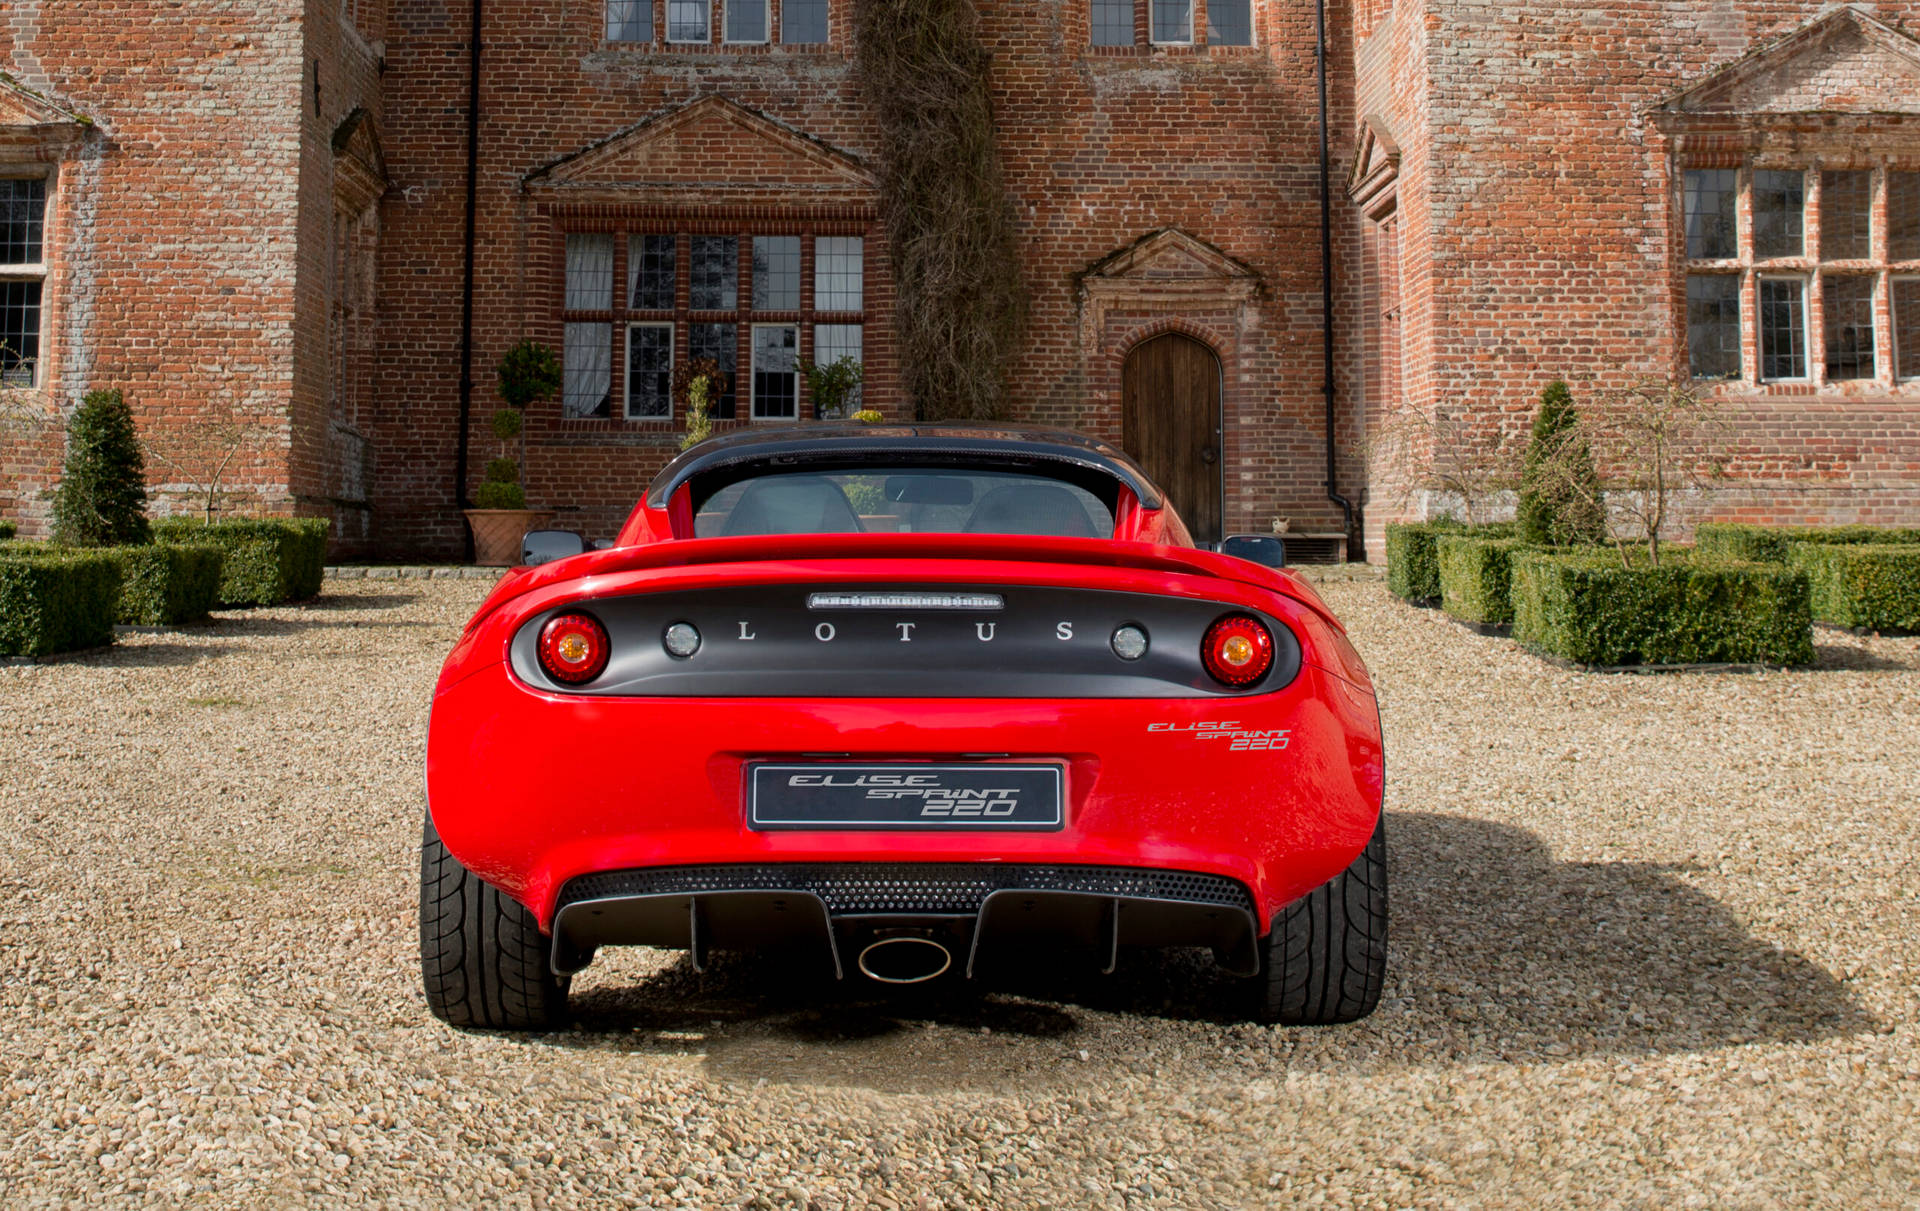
(1100, 149)
(1548, 243)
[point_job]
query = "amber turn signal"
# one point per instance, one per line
(1237, 651)
(574, 648)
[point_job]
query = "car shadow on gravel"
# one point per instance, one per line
(1497, 950)
(1842, 656)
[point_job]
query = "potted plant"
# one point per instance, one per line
(834, 387)
(698, 385)
(500, 517)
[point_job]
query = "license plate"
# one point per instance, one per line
(923, 798)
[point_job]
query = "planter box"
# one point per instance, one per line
(497, 533)
(57, 601)
(268, 561)
(1587, 609)
(1873, 587)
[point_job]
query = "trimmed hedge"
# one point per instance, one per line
(56, 601)
(269, 561)
(165, 584)
(1875, 586)
(1413, 555)
(1588, 609)
(1769, 544)
(1476, 577)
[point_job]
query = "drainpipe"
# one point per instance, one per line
(466, 286)
(1326, 265)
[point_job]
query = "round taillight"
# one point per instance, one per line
(1238, 650)
(574, 648)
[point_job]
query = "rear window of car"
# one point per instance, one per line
(903, 501)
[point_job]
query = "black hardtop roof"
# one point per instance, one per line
(790, 446)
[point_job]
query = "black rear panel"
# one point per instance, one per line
(825, 641)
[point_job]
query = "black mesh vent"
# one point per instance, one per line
(911, 887)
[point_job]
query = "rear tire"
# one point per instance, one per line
(1325, 959)
(482, 955)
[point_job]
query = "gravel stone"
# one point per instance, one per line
(1654, 943)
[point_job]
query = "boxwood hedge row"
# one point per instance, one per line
(1590, 610)
(1413, 555)
(1476, 577)
(165, 584)
(268, 561)
(56, 600)
(1874, 586)
(1770, 544)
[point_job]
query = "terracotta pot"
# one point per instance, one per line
(497, 533)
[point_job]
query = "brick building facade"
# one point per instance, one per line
(257, 228)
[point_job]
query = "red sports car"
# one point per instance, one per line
(910, 698)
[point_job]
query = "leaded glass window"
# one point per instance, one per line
(687, 21)
(1906, 327)
(1230, 22)
(629, 20)
(1713, 325)
(1783, 328)
(23, 218)
(650, 371)
(718, 343)
(19, 332)
(589, 273)
(776, 378)
(746, 20)
(831, 343)
(1846, 215)
(650, 272)
(803, 22)
(1903, 216)
(1779, 214)
(587, 366)
(1713, 202)
(716, 273)
(1112, 22)
(837, 271)
(1172, 21)
(1846, 304)
(776, 273)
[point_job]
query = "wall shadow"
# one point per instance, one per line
(1496, 950)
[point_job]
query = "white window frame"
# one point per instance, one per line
(826, 40)
(1153, 41)
(766, 23)
(35, 271)
(667, 16)
(606, 32)
(626, 394)
(753, 373)
(1807, 346)
(1253, 30)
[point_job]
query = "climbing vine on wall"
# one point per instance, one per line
(956, 262)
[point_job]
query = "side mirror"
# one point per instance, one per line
(1267, 550)
(545, 546)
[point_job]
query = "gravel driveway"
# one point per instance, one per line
(1653, 943)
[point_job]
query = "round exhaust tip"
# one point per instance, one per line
(905, 960)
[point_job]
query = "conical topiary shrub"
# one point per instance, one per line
(1560, 502)
(102, 499)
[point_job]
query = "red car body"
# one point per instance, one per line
(536, 787)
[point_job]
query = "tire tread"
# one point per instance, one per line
(483, 959)
(1325, 959)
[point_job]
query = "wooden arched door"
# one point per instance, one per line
(1170, 424)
